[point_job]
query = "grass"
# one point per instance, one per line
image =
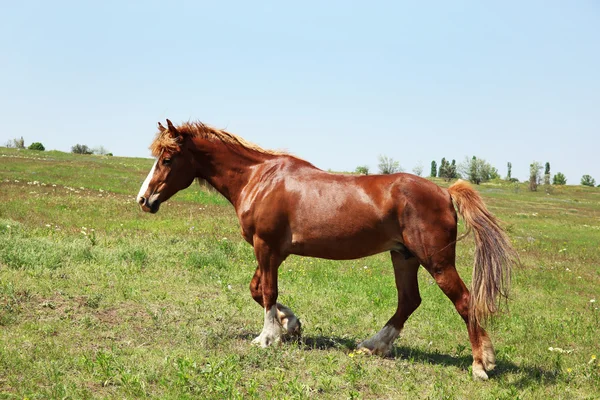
(100, 300)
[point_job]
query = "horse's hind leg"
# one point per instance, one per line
(447, 278)
(289, 322)
(405, 273)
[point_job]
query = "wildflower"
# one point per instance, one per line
(592, 300)
(569, 370)
(592, 359)
(365, 267)
(229, 287)
(48, 225)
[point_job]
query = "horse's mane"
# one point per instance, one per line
(165, 142)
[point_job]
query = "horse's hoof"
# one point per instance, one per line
(479, 373)
(374, 348)
(265, 341)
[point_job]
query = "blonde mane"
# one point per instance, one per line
(165, 142)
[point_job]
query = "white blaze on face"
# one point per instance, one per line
(144, 187)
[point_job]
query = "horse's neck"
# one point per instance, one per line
(228, 170)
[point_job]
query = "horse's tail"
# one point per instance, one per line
(494, 254)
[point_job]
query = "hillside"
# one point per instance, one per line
(98, 299)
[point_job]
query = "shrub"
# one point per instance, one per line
(81, 149)
(37, 146)
(587, 180)
(559, 179)
(388, 165)
(362, 170)
(477, 170)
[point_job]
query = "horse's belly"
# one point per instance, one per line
(342, 247)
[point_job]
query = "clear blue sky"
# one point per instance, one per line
(336, 83)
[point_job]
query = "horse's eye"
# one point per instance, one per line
(167, 161)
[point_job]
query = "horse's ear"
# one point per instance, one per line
(172, 128)
(161, 127)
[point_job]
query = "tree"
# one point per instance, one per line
(100, 150)
(509, 174)
(388, 165)
(19, 143)
(559, 179)
(361, 169)
(433, 173)
(534, 175)
(547, 174)
(37, 146)
(418, 169)
(473, 176)
(448, 170)
(477, 170)
(587, 180)
(81, 149)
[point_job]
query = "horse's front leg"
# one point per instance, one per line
(265, 280)
(289, 322)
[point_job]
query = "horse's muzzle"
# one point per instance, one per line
(150, 204)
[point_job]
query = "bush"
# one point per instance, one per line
(477, 170)
(559, 179)
(362, 170)
(81, 149)
(587, 180)
(37, 146)
(388, 165)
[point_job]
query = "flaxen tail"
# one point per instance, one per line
(494, 254)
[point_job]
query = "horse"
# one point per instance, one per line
(286, 205)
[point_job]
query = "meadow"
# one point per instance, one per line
(101, 300)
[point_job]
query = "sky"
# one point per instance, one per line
(337, 83)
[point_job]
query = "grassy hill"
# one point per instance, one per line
(100, 300)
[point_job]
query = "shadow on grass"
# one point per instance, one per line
(527, 375)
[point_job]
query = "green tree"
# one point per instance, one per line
(433, 173)
(81, 149)
(547, 174)
(477, 170)
(587, 180)
(559, 179)
(362, 170)
(448, 170)
(37, 146)
(535, 177)
(443, 168)
(388, 165)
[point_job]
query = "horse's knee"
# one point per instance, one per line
(255, 290)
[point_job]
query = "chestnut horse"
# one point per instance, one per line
(286, 206)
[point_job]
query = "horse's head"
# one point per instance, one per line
(172, 171)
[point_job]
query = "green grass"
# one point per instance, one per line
(100, 300)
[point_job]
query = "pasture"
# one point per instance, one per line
(101, 300)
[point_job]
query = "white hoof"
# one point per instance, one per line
(381, 344)
(272, 329)
(265, 340)
(289, 322)
(375, 348)
(479, 373)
